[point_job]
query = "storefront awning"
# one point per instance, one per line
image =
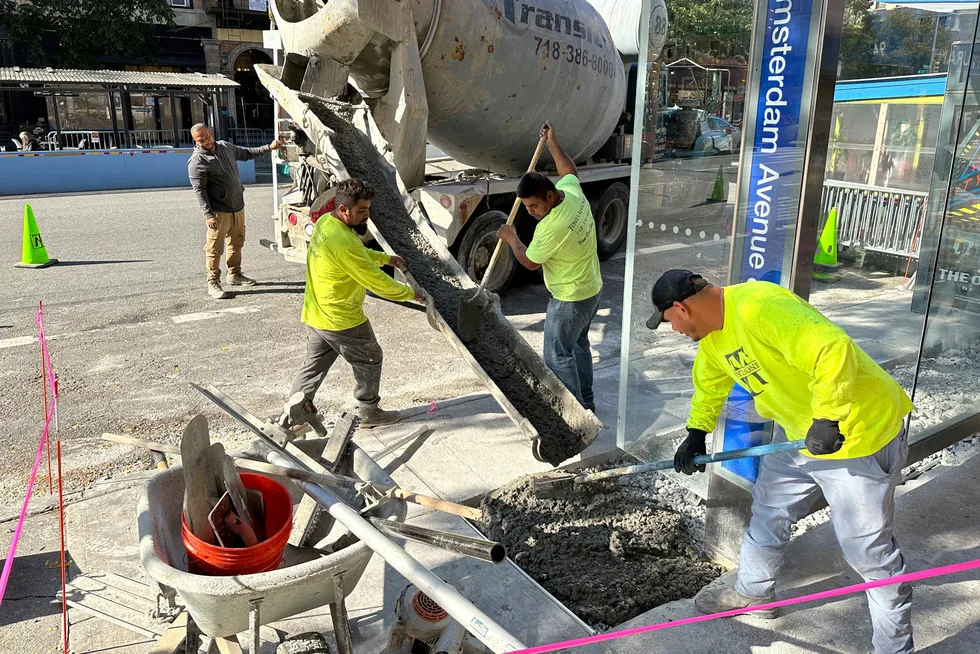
(17, 78)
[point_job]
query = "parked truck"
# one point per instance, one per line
(476, 79)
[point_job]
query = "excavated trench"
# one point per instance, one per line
(497, 347)
(608, 551)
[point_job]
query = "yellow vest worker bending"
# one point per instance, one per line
(809, 377)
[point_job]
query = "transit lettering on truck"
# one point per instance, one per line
(552, 22)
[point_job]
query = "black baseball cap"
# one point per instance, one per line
(673, 286)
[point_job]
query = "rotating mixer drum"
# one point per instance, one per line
(493, 70)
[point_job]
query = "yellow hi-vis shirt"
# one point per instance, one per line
(798, 366)
(564, 245)
(339, 269)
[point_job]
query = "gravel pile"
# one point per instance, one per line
(609, 551)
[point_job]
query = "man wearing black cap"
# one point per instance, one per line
(807, 376)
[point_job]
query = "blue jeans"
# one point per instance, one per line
(566, 345)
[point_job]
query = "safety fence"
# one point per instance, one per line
(876, 218)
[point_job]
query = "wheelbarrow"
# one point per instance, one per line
(224, 606)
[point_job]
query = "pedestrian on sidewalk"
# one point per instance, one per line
(816, 384)
(213, 173)
(564, 246)
(339, 270)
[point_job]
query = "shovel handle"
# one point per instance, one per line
(510, 219)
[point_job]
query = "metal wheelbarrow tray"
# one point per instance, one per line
(220, 605)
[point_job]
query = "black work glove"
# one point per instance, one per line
(824, 437)
(692, 446)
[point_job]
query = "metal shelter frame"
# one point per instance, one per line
(51, 81)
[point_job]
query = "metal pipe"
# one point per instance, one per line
(478, 623)
(115, 120)
(485, 550)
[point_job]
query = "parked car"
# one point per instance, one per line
(690, 132)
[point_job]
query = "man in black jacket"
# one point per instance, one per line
(213, 172)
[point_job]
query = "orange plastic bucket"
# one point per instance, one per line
(214, 560)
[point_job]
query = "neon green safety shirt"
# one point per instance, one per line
(798, 366)
(339, 269)
(564, 246)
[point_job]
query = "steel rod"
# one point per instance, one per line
(478, 623)
(478, 548)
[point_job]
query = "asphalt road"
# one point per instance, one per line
(131, 324)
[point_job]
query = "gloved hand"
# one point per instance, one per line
(824, 437)
(692, 446)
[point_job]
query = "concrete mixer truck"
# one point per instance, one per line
(476, 79)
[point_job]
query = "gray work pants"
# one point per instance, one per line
(360, 349)
(861, 495)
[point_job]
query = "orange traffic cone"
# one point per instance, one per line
(33, 253)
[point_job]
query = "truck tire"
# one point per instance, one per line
(477, 246)
(611, 213)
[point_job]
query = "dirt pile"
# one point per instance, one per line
(499, 349)
(608, 552)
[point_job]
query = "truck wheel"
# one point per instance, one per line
(611, 212)
(477, 247)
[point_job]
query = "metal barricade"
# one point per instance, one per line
(876, 218)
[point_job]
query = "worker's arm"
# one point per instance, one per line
(365, 271)
(247, 154)
(509, 235)
(199, 182)
(563, 162)
(712, 385)
(815, 346)
(380, 258)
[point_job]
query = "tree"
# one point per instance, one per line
(726, 22)
(905, 39)
(857, 46)
(83, 29)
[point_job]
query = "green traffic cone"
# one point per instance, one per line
(718, 193)
(33, 254)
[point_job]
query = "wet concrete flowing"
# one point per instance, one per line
(607, 551)
(499, 349)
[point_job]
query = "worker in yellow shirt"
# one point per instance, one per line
(809, 377)
(339, 269)
(564, 246)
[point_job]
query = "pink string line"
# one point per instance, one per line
(836, 592)
(8, 564)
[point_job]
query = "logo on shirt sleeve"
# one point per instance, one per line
(747, 371)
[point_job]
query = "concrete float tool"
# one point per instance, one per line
(471, 309)
(559, 487)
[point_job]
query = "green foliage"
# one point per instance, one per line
(84, 28)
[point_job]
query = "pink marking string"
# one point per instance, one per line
(432, 409)
(836, 592)
(8, 564)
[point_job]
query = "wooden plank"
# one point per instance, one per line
(131, 586)
(122, 616)
(195, 450)
(173, 637)
(96, 585)
(216, 465)
(228, 645)
(309, 521)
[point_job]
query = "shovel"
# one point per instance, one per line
(553, 487)
(471, 310)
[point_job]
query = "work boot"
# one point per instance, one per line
(720, 595)
(374, 416)
(215, 290)
(240, 280)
